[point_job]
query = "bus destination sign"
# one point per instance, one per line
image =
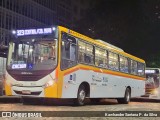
(39, 31)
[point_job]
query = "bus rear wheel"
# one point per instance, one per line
(81, 95)
(126, 98)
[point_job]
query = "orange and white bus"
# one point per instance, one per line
(58, 62)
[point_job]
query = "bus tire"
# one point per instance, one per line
(81, 95)
(126, 98)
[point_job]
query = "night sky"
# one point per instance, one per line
(133, 25)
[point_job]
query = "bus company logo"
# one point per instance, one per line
(6, 114)
(96, 78)
(33, 84)
(105, 79)
(26, 73)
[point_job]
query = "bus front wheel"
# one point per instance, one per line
(81, 95)
(126, 98)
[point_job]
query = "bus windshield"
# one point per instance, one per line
(32, 54)
(152, 78)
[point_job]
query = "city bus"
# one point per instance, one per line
(152, 89)
(60, 63)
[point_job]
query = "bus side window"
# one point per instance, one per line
(101, 57)
(81, 51)
(134, 69)
(141, 69)
(87, 59)
(113, 61)
(100, 63)
(85, 53)
(123, 64)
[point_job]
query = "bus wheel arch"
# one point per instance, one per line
(127, 96)
(82, 93)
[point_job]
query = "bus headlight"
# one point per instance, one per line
(155, 92)
(49, 83)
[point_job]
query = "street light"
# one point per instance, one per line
(13, 32)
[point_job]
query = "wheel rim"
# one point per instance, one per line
(128, 97)
(82, 96)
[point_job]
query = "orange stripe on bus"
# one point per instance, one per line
(106, 72)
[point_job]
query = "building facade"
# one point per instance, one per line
(16, 14)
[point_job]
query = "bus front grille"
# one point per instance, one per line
(32, 93)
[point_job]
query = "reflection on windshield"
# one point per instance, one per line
(33, 55)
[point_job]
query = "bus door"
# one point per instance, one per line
(69, 51)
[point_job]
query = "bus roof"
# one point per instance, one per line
(93, 41)
(148, 68)
(108, 44)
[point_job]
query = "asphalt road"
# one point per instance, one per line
(106, 105)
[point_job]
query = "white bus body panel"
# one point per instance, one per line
(102, 85)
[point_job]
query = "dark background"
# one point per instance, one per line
(133, 25)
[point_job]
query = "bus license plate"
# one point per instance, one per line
(26, 92)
